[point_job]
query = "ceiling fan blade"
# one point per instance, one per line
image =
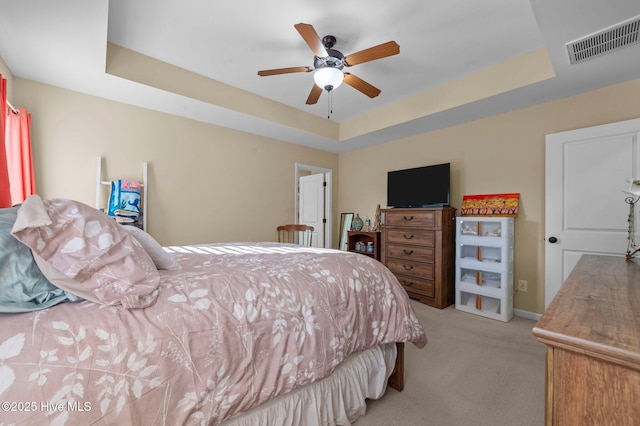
(316, 91)
(265, 73)
(310, 35)
(361, 85)
(383, 50)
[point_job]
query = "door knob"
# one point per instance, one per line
(553, 240)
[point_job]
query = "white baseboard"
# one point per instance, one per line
(527, 314)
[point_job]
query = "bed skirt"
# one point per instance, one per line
(339, 399)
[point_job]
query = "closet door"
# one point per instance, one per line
(312, 207)
(586, 172)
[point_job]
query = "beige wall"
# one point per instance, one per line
(210, 184)
(206, 183)
(504, 153)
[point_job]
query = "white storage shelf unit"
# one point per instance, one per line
(484, 266)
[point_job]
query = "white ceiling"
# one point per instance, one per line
(63, 43)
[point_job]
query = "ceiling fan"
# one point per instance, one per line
(328, 64)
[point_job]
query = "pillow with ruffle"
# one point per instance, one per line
(23, 287)
(84, 252)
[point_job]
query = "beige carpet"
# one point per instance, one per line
(474, 371)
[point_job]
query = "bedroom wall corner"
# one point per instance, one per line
(206, 183)
(499, 154)
(7, 75)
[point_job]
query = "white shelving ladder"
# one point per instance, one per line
(100, 184)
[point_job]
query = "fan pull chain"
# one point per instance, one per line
(330, 104)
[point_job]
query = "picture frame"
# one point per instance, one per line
(498, 205)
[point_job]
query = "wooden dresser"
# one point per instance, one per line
(418, 246)
(592, 332)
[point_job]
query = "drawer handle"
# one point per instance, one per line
(407, 237)
(407, 267)
(407, 252)
(407, 283)
(407, 218)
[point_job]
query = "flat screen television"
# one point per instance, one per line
(426, 186)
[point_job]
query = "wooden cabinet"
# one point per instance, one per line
(418, 247)
(593, 344)
(367, 243)
(484, 266)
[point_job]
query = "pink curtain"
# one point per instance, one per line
(19, 158)
(5, 192)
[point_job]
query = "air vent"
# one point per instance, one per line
(615, 37)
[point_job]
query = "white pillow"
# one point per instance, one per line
(161, 258)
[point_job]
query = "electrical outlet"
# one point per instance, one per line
(522, 286)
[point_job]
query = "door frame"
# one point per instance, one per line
(328, 196)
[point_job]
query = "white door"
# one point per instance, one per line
(312, 195)
(586, 173)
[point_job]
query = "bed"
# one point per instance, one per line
(233, 334)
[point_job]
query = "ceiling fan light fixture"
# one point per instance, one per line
(328, 78)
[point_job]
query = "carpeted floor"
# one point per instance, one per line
(474, 371)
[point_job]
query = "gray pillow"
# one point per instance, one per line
(161, 258)
(23, 288)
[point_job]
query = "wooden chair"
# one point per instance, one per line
(295, 234)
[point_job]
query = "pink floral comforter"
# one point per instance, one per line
(237, 325)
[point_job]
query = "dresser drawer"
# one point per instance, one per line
(407, 252)
(417, 285)
(418, 246)
(414, 269)
(409, 218)
(411, 236)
